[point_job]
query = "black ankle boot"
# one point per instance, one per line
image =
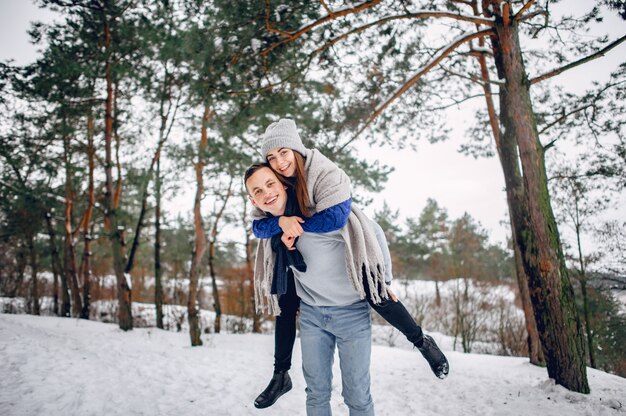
(437, 361)
(279, 385)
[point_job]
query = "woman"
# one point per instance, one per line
(323, 196)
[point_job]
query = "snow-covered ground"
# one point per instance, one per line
(56, 366)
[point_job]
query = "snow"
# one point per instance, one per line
(129, 280)
(57, 366)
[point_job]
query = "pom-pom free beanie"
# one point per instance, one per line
(282, 133)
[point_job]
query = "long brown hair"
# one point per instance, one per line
(302, 193)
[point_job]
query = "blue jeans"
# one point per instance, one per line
(350, 329)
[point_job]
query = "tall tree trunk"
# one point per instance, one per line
(535, 230)
(123, 280)
(214, 232)
(144, 200)
(57, 268)
(193, 309)
(535, 351)
(164, 133)
(86, 262)
(217, 307)
(34, 285)
(21, 267)
(514, 199)
(583, 290)
(158, 287)
(69, 253)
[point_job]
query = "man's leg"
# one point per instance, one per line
(318, 349)
(353, 329)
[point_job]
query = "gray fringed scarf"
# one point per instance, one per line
(328, 185)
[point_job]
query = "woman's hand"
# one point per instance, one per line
(288, 241)
(291, 226)
(392, 295)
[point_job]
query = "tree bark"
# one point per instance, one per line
(34, 285)
(87, 237)
(535, 230)
(158, 287)
(115, 236)
(583, 290)
(217, 307)
(21, 267)
(57, 268)
(193, 309)
(69, 253)
(535, 351)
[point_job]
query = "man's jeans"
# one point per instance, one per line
(348, 327)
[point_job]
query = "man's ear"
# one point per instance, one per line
(252, 200)
(285, 187)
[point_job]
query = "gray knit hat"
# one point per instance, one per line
(282, 133)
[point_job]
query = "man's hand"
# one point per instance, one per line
(291, 226)
(392, 295)
(288, 241)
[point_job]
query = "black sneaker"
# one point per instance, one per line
(279, 385)
(437, 361)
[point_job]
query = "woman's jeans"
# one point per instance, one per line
(349, 328)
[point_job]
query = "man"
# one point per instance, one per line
(332, 313)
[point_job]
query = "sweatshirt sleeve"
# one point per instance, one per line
(266, 227)
(330, 219)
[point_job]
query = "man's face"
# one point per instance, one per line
(266, 192)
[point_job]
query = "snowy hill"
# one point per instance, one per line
(55, 366)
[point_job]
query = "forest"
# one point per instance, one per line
(134, 105)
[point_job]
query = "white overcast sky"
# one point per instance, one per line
(458, 183)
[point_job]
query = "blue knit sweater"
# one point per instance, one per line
(330, 219)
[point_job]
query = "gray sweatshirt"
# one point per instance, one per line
(326, 282)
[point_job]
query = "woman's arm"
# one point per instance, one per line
(266, 227)
(330, 219)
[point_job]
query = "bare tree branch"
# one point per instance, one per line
(581, 61)
(459, 41)
(519, 14)
(293, 36)
(421, 15)
(563, 117)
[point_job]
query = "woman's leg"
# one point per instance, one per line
(284, 338)
(396, 314)
(285, 332)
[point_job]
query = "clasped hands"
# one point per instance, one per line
(291, 229)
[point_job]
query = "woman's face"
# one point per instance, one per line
(283, 161)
